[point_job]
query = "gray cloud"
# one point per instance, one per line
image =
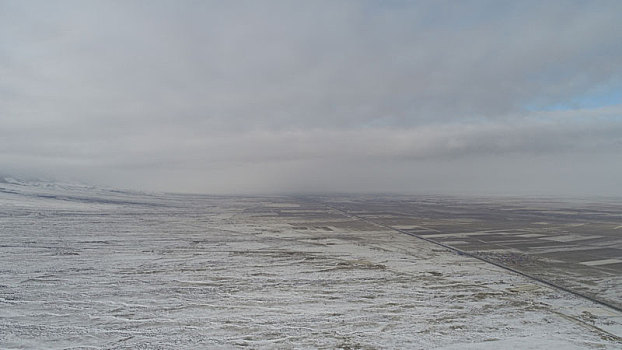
(255, 96)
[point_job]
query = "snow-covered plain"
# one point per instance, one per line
(82, 267)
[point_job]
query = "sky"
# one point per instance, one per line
(449, 97)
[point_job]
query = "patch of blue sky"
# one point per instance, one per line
(595, 99)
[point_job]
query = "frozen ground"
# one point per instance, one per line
(574, 244)
(91, 268)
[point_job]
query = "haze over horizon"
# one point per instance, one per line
(479, 97)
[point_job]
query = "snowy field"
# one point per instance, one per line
(82, 267)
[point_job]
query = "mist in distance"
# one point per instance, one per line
(451, 97)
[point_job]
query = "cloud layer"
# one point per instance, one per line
(282, 96)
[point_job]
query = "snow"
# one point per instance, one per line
(94, 268)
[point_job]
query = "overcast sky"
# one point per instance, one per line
(477, 97)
